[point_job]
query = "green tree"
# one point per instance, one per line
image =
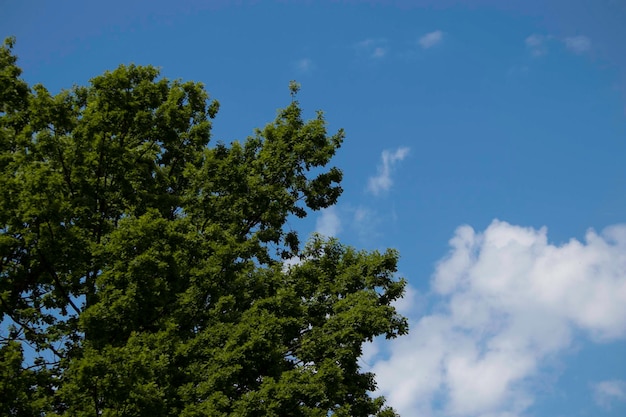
(142, 271)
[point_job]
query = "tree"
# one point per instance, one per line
(142, 271)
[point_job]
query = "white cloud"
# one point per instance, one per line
(537, 44)
(605, 393)
(382, 181)
(328, 223)
(412, 303)
(369, 352)
(509, 302)
(373, 48)
(578, 44)
(291, 262)
(431, 39)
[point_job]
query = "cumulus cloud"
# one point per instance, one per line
(373, 48)
(578, 44)
(605, 393)
(328, 223)
(431, 39)
(382, 180)
(508, 302)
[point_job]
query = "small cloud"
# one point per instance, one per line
(379, 52)
(373, 48)
(534, 40)
(537, 44)
(365, 43)
(431, 39)
(328, 223)
(605, 393)
(578, 44)
(304, 65)
(382, 181)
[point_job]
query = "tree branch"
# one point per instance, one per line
(58, 283)
(28, 328)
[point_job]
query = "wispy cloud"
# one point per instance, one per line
(509, 301)
(537, 44)
(517, 71)
(379, 52)
(362, 215)
(373, 48)
(365, 224)
(328, 223)
(304, 65)
(606, 393)
(431, 39)
(382, 181)
(578, 44)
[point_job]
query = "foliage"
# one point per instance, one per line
(142, 271)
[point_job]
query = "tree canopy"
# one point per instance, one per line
(142, 269)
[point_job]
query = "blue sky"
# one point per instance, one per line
(485, 141)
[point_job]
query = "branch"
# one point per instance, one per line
(41, 364)
(27, 327)
(58, 283)
(66, 173)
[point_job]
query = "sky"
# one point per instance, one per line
(485, 140)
